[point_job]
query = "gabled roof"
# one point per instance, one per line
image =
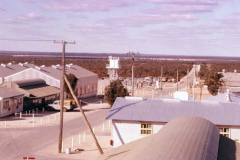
(165, 110)
(78, 71)
(36, 88)
(9, 92)
(184, 138)
(13, 68)
(56, 72)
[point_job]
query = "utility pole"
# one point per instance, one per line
(84, 116)
(133, 56)
(62, 94)
(187, 78)
(161, 81)
(177, 79)
(194, 76)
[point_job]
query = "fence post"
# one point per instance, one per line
(72, 142)
(79, 138)
(33, 119)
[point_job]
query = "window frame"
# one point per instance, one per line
(6, 104)
(146, 129)
(225, 133)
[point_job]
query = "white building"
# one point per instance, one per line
(87, 80)
(174, 141)
(11, 101)
(133, 119)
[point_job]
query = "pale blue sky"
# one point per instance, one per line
(169, 27)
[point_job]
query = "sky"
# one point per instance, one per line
(164, 27)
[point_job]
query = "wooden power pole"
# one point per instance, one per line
(62, 94)
(133, 57)
(83, 114)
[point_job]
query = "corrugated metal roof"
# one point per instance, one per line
(228, 149)
(36, 88)
(166, 110)
(14, 68)
(78, 71)
(39, 91)
(184, 138)
(233, 97)
(9, 92)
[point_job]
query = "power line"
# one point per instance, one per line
(33, 40)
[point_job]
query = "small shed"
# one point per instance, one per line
(11, 101)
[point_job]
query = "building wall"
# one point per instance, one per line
(235, 133)
(127, 131)
(87, 87)
(12, 106)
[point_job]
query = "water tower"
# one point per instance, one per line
(113, 67)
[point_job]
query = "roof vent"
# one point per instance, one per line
(42, 66)
(235, 71)
(9, 64)
(223, 70)
(54, 66)
(21, 64)
(26, 63)
(38, 68)
(4, 65)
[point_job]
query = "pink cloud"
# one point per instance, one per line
(2, 10)
(142, 20)
(84, 5)
(78, 15)
(23, 19)
(180, 9)
(185, 2)
(27, 1)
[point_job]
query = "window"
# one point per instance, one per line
(225, 131)
(20, 101)
(146, 128)
(6, 104)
